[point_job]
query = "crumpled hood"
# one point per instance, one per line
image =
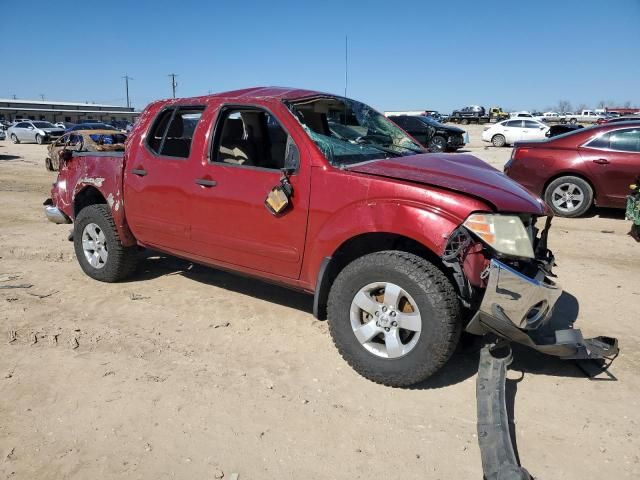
(461, 173)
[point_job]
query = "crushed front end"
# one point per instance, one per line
(503, 270)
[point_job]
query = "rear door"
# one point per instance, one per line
(512, 130)
(230, 222)
(614, 160)
(532, 130)
(158, 178)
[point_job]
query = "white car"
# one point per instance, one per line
(509, 131)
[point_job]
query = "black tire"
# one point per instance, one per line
(573, 121)
(48, 164)
(14, 139)
(121, 261)
(465, 121)
(584, 188)
(498, 140)
(39, 139)
(437, 303)
(437, 144)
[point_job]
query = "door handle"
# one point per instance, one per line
(206, 183)
(601, 161)
(139, 172)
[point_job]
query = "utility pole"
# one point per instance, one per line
(42, 96)
(174, 84)
(126, 86)
(14, 96)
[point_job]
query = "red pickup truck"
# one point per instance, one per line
(401, 249)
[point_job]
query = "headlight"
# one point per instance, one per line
(504, 233)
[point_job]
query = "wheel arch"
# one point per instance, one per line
(90, 195)
(359, 246)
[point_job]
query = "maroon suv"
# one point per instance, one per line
(574, 171)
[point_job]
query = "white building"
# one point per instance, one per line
(52, 111)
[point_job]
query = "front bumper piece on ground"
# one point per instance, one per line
(515, 306)
(499, 460)
(53, 213)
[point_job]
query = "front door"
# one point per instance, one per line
(614, 160)
(229, 221)
(158, 178)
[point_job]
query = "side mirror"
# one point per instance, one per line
(291, 157)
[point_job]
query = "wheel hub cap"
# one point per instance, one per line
(567, 197)
(94, 245)
(385, 320)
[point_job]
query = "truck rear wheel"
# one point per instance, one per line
(394, 317)
(465, 121)
(98, 247)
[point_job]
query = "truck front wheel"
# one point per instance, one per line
(394, 317)
(98, 247)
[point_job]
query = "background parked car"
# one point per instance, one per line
(432, 134)
(64, 125)
(2, 134)
(574, 171)
(34, 131)
(614, 119)
(555, 130)
(91, 126)
(510, 131)
(84, 141)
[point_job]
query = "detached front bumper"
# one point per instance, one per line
(515, 307)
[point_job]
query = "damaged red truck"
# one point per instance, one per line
(401, 249)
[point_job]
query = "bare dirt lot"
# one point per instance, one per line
(187, 372)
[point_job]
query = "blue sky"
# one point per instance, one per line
(402, 55)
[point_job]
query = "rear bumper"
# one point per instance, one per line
(54, 214)
(515, 307)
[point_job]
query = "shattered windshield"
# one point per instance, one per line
(348, 132)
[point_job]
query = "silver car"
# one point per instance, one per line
(2, 134)
(34, 131)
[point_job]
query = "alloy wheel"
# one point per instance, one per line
(567, 197)
(385, 320)
(94, 245)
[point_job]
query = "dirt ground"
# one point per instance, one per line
(190, 373)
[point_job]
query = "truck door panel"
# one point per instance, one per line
(229, 221)
(158, 178)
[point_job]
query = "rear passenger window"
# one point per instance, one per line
(172, 133)
(626, 140)
(603, 141)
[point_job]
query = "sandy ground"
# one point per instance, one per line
(187, 372)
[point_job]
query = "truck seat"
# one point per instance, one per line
(234, 148)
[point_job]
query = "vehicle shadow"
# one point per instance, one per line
(602, 212)
(155, 265)
(9, 157)
(461, 366)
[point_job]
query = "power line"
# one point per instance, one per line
(174, 84)
(126, 83)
